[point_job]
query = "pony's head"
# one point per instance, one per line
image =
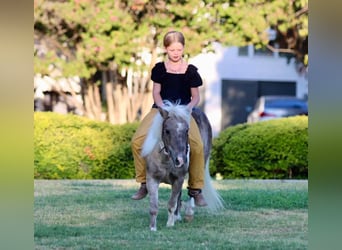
(171, 126)
(175, 129)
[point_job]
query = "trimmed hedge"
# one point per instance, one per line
(74, 147)
(274, 149)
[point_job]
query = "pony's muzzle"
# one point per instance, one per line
(180, 161)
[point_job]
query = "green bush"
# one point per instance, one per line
(276, 149)
(73, 147)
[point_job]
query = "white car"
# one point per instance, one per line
(271, 107)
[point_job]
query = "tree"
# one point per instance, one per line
(85, 37)
(114, 44)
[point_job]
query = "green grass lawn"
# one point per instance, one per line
(99, 214)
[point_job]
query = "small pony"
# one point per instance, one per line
(167, 151)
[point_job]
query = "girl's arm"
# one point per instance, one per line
(156, 94)
(195, 98)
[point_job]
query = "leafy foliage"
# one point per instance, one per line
(119, 41)
(90, 35)
(73, 147)
(86, 35)
(275, 149)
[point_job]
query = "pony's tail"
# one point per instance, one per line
(212, 197)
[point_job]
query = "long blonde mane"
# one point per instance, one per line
(154, 134)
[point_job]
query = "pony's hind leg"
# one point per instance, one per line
(189, 209)
(153, 222)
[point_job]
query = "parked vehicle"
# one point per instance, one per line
(271, 107)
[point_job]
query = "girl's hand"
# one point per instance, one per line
(190, 107)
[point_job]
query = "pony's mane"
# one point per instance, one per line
(154, 134)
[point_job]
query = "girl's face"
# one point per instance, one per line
(175, 51)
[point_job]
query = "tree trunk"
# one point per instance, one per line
(97, 102)
(87, 103)
(93, 105)
(124, 105)
(147, 92)
(108, 81)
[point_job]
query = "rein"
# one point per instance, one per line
(163, 148)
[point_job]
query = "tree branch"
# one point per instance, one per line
(302, 11)
(273, 49)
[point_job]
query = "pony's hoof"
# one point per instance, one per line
(179, 218)
(188, 218)
(153, 229)
(170, 224)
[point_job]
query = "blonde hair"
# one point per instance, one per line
(172, 37)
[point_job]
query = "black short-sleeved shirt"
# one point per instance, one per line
(176, 87)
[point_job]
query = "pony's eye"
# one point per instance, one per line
(167, 131)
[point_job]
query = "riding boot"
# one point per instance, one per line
(141, 193)
(198, 197)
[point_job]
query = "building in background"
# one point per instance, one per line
(235, 77)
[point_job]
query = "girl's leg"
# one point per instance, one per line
(139, 162)
(196, 168)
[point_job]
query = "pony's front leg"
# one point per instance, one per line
(152, 187)
(173, 213)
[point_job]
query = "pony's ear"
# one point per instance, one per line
(164, 113)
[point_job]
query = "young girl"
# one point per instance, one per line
(173, 80)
